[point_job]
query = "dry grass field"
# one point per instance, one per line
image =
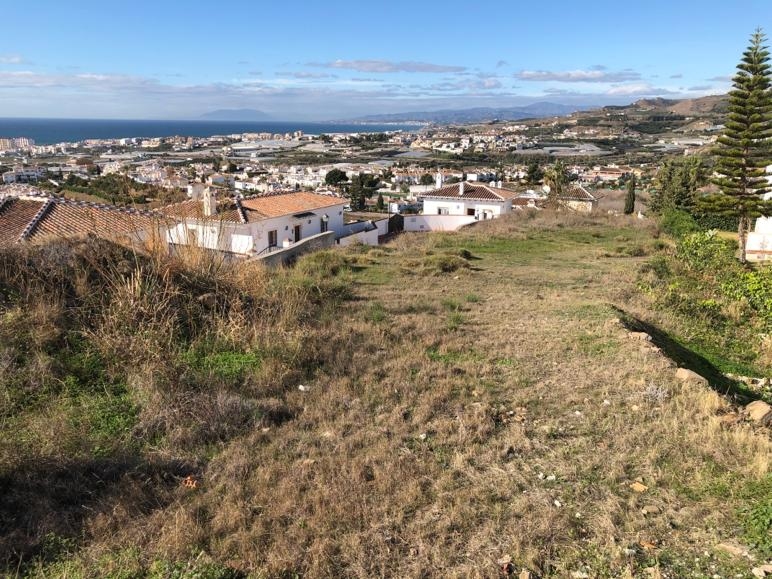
(447, 405)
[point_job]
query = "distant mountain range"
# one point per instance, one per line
(236, 115)
(476, 115)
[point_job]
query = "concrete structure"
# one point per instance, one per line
(759, 246)
(437, 222)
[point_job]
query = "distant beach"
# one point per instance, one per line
(51, 131)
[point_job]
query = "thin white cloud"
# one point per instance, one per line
(594, 74)
(640, 88)
(388, 66)
(11, 59)
(301, 75)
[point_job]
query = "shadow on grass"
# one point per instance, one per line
(686, 358)
(44, 506)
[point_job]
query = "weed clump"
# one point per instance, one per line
(439, 264)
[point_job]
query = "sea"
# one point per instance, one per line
(52, 131)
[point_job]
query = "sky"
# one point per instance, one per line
(340, 59)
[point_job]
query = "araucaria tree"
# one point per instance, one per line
(743, 149)
(630, 198)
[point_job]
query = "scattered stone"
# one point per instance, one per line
(731, 549)
(762, 571)
(208, 300)
(759, 411)
(647, 545)
(579, 575)
(422, 436)
(651, 510)
(686, 375)
(524, 574)
(551, 477)
(638, 487)
(509, 453)
(557, 503)
(303, 388)
(729, 419)
(642, 336)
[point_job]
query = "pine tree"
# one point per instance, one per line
(743, 149)
(676, 184)
(630, 198)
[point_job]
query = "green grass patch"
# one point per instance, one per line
(228, 365)
(376, 313)
(455, 321)
(453, 356)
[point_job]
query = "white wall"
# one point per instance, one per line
(365, 237)
(246, 238)
(383, 226)
(437, 222)
(460, 206)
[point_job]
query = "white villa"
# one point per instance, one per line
(254, 225)
(477, 200)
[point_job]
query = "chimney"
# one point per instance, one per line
(210, 203)
(438, 180)
(498, 184)
(461, 188)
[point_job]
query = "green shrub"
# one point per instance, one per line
(757, 525)
(704, 250)
(678, 223)
(444, 263)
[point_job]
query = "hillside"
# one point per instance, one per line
(448, 405)
(476, 115)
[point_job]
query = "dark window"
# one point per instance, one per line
(273, 238)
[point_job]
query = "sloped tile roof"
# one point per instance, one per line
(576, 193)
(472, 192)
(37, 219)
(255, 208)
(290, 203)
(15, 216)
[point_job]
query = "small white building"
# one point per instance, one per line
(477, 200)
(759, 243)
(254, 225)
(24, 175)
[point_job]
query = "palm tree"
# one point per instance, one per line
(556, 177)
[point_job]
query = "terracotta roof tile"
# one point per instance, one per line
(474, 192)
(576, 193)
(67, 218)
(15, 216)
(289, 203)
(255, 208)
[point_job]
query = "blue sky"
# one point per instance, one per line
(334, 59)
